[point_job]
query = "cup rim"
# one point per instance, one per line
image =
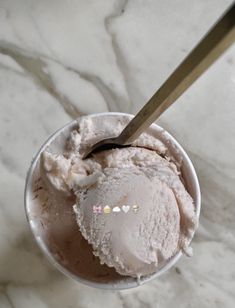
(48, 254)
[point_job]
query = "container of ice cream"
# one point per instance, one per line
(119, 218)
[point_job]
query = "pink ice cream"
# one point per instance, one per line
(147, 215)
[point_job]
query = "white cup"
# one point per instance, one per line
(38, 216)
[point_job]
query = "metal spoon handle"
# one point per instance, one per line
(215, 42)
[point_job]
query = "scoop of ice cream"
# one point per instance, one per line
(131, 204)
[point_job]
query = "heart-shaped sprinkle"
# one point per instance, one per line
(125, 208)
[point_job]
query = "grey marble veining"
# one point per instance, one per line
(60, 59)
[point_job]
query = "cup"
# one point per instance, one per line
(54, 226)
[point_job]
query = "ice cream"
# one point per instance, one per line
(131, 204)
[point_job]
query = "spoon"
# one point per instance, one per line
(215, 42)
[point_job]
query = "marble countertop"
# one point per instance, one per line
(61, 59)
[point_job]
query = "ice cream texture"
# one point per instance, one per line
(134, 242)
